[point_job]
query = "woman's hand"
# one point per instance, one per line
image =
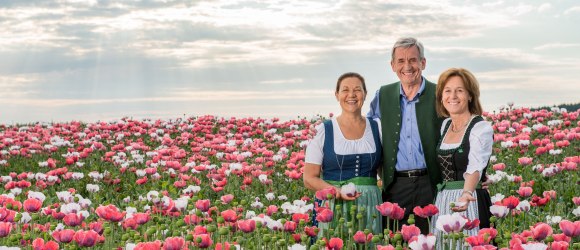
(346, 198)
(465, 198)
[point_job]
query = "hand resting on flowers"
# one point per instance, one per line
(463, 202)
(347, 192)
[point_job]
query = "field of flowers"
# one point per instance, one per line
(231, 183)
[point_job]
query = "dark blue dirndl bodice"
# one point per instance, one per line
(336, 167)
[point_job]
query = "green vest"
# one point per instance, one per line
(429, 129)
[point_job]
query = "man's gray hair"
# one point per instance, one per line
(407, 42)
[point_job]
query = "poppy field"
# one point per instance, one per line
(211, 182)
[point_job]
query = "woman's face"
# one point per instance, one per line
(351, 95)
(455, 96)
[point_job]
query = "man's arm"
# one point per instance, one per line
(375, 111)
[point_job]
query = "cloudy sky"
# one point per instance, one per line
(101, 60)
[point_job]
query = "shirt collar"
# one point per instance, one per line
(418, 93)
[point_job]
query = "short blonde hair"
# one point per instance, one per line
(470, 84)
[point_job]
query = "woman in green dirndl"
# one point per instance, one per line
(463, 151)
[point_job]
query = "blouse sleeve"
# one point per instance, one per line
(378, 120)
(314, 151)
(480, 147)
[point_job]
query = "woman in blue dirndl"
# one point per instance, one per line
(347, 149)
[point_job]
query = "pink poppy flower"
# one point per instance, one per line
(360, 237)
(32, 205)
(410, 231)
(290, 226)
(559, 245)
(202, 205)
(272, 209)
(226, 199)
(524, 161)
(73, 219)
(334, 244)
(110, 213)
(391, 210)
(297, 217)
(541, 230)
(173, 243)
(525, 191)
(63, 236)
(510, 202)
(39, 244)
(325, 194)
(204, 240)
(86, 238)
(311, 231)
(324, 214)
(229, 215)
(426, 211)
(247, 226)
(5, 228)
(155, 245)
(570, 229)
(192, 219)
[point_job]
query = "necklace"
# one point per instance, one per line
(457, 130)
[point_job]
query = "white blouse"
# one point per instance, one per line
(342, 146)
(480, 145)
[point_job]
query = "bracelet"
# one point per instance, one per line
(469, 192)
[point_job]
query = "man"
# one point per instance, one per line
(410, 130)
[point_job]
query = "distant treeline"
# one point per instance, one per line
(567, 106)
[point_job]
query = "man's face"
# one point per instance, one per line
(408, 65)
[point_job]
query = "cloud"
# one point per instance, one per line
(557, 46)
(544, 7)
(283, 81)
(180, 95)
(572, 10)
(15, 86)
(223, 32)
(130, 54)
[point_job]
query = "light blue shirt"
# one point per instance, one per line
(410, 151)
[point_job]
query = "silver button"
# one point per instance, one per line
(355, 174)
(357, 166)
(356, 170)
(356, 161)
(357, 156)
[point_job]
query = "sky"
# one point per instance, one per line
(93, 60)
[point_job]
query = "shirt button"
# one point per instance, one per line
(356, 161)
(355, 174)
(357, 156)
(357, 166)
(356, 170)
